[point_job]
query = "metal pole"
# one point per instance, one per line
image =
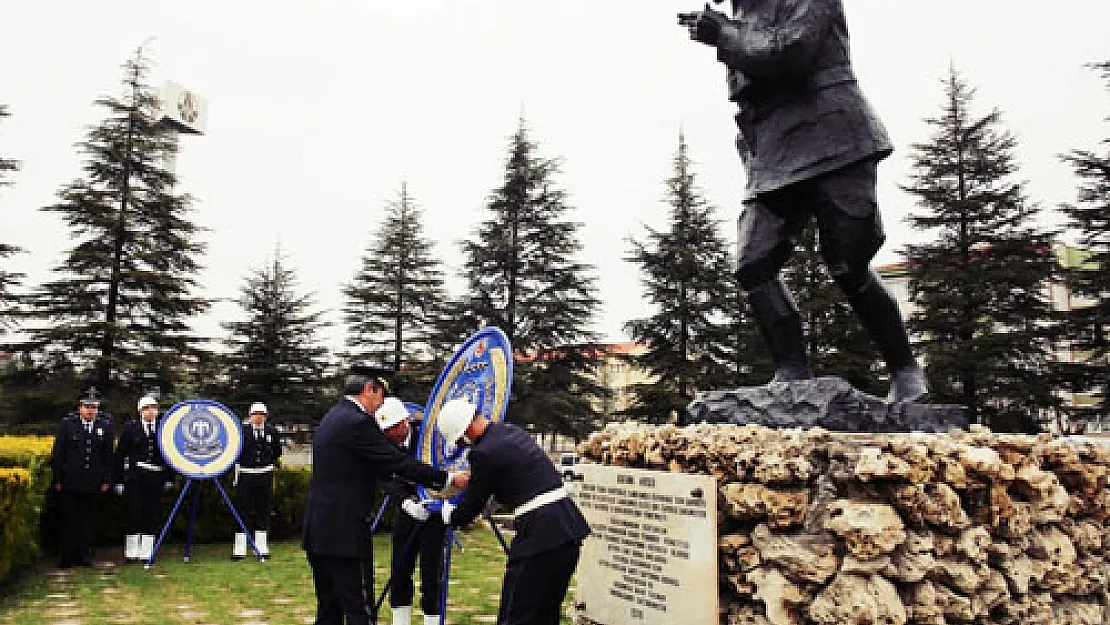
(378, 519)
(192, 525)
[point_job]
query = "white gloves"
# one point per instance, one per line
(119, 489)
(448, 508)
(415, 510)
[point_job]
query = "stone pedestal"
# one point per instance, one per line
(830, 403)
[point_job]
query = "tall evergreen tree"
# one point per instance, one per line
(397, 295)
(835, 341)
(980, 284)
(275, 355)
(8, 279)
(1089, 324)
(524, 278)
(686, 278)
(122, 297)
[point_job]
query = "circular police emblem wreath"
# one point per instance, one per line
(480, 371)
(200, 438)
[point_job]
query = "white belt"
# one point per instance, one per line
(539, 501)
(148, 466)
(265, 469)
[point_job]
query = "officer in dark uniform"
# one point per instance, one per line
(82, 468)
(254, 490)
(810, 145)
(141, 477)
(415, 530)
(349, 457)
(506, 462)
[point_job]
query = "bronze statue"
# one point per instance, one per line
(811, 145)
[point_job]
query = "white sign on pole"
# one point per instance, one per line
(651, 558)
(184, 110)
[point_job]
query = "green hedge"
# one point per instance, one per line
(29, 521)
(24, 479)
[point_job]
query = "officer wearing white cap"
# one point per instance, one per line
(349, 456)
(415, 531)
(82, 468)
(141, 477)
(254, 488)
(506, 462)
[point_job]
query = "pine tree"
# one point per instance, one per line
(686, 278)
(122, 296)
(836, 343)
(9, 280)
(524, 278)
(1089, 325)
(397, 295)
(980, 285)
(275, 356)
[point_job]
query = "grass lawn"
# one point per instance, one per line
(213, 590)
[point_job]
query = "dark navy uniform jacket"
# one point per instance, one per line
(801, 112)
(259, 453)
(350, 455)
(82, 461)
(136, 446)
(508, 464)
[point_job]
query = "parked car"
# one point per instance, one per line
(566, 465)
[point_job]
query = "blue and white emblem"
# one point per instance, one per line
(481, 371)
(200, 438)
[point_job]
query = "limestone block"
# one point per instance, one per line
(1079, 612)
(874, 464)
(923, 604)
(783, 467)
(972, 544)
(935, 503)
(987, 462)
(755, 502)
(858, 600)
(745, 615)
(964, 576)
(874, 566)
(802, 557)
(913, 559)
(780, 596)
(1048, 498)
(868, 529)
(993, 593)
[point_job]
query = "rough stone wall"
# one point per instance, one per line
(817, 528)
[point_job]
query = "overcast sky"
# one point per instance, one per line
(319, 111)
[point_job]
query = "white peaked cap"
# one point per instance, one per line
(259, 407)
(390, 413)
(147, 401)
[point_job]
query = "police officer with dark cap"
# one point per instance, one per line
(350, 456)
(254, 477)
(141, 477)
(82, 469)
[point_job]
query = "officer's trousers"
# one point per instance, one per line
(533, 590)
(343, 587)
(142, 500)
(253, 497)
(428, 543)
(78, 512)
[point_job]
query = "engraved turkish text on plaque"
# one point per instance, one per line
(651, 558)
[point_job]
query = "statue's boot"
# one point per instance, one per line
(781, 325)
(878, 312)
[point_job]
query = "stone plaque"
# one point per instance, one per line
(652, 556)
